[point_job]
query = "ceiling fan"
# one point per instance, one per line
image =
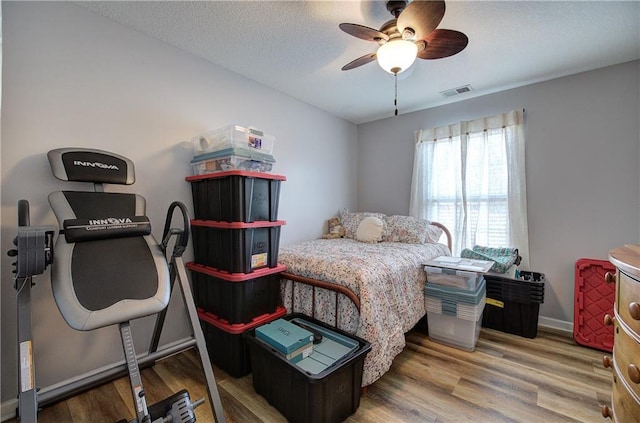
(411, 34)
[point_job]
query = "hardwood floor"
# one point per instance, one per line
(506, 379)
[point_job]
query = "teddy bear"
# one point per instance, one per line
(336, 230)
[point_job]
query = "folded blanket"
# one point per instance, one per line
(503, 258)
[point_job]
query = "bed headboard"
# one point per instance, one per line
(446, 232)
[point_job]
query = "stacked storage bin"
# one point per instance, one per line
(236, 233)
(455, 300)
(232, 148)
(513, 304)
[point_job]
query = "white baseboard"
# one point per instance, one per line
(556, 324)
(8, 409)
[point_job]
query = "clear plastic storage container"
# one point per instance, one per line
(233, 136)
(454, 315)
(451, 277)
(232, 159)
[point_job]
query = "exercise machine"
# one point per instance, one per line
(107, 270)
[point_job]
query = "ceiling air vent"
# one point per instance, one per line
(455, 91)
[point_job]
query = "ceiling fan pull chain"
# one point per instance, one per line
(395, 99)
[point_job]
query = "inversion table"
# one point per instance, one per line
(107, 270)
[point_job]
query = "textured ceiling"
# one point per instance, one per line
(297, 48)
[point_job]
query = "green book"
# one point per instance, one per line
(284, 336)
(295, 356)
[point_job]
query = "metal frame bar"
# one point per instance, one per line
(135, 379)
(27, 393)
(317, 283)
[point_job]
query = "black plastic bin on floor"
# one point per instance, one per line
(326, 397)
(513, 305)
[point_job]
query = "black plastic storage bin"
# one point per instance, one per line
(236, 247)
(236, 298)
(327, 397)
(513, 305)
(236, 196)
(226, 347)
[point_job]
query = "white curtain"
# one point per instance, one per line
(470, 176)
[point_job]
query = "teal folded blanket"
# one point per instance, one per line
(503, 258)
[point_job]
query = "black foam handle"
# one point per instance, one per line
(80, 230)
(23, 213)
(183, 237)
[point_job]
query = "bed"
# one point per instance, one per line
(373, 289)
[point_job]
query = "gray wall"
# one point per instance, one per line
(582, 164)
(72, 78)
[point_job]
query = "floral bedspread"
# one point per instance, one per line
(387, 277)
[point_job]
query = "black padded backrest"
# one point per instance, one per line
(105, 271)
(91, 165)
(93, 205)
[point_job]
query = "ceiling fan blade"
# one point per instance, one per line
(443, 43)
(421, 16)
(363, 32)
(360, 61)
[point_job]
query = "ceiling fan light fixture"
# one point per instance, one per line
(396, 56)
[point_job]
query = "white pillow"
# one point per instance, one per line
(370, 229)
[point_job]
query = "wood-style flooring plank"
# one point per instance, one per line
(102, 404)
(508, 378)
(58, 412)
(249, 407)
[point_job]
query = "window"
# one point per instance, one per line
(470, 177)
